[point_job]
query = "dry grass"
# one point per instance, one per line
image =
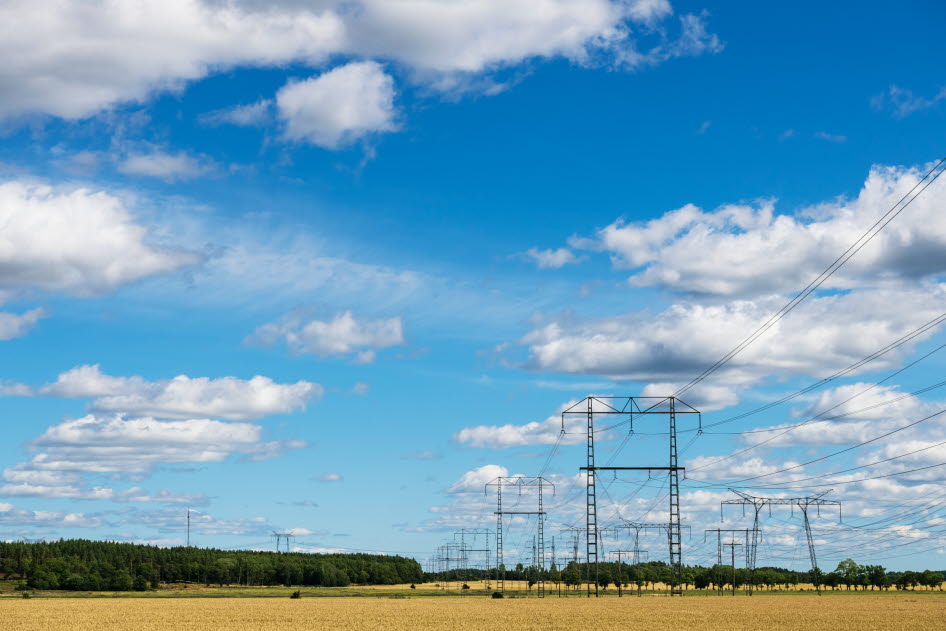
(801, 613)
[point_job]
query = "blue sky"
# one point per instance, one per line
(318, 267)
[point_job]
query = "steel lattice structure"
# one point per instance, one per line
(758, 503)
(631, 407)
(732, 544)
(520, 482)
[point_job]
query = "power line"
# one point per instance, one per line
(858, 364)
(838, 263)
(820, 415)
(845, 450)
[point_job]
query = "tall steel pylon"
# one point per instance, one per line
(466, 549)
(591, 506)
(521, 483)
(719, 553)
(758, 503)
(637, 527)
(631, 406)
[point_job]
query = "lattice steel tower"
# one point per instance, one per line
(631, 406)
(521, 483)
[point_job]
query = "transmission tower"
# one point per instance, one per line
(629, 407)
(475, 534)
(719, 554)
(520, 483)
(281, 536)
(732, 545)
(758, 503)
(637, 527)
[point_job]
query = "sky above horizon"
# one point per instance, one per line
(328, 268)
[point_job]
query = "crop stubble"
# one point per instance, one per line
(801, 613)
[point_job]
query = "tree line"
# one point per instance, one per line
(848, 575)
(83, 565)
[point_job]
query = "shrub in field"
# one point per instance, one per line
(296, 594)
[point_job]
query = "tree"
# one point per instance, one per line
(604, 576)
(849, 572)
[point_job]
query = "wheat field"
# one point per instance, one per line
(802, 613)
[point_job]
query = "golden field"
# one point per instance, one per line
(799, 613)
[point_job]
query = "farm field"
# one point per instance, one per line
(477, 590)
(802, 613)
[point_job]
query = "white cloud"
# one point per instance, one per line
(250, 115)
(130, 446)
(11, 516)
(166, 166)
(170, 520)
(903, 102)
(342, 335)
(704, 397)
(14, 325)
(437, 38)
(330, 477)
(14, 389)
(83, 58)
(183, 396)
(552, 259)
(303, 532)
(338, 107)
(360, 388)
(750, 250)
(475, 481)
(76, 58)
(545, 432)
(828, 333)
(136, 494)
(22, 481)
(81, 242)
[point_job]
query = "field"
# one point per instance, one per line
(801, 613)
(477, 590)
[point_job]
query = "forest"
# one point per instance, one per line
(82, 565)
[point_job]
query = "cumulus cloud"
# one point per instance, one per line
(704, 397)
(342, 335)
(25, 482)
(183, 396)
(79, 241)
(14, 325)
(475, 481)
(829, 333)
(82, 58)
(751, 250)
(544, 432)
(166, 166)
(552, 259)
(338, 107)
(132, 49)
(134, 446)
